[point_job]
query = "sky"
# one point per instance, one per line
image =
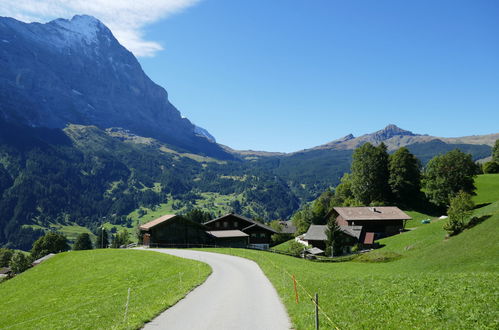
(285, 75)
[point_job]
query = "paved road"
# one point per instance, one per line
(237, 295)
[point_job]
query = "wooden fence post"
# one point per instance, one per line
(316, 311)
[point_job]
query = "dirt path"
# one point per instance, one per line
(237, 295)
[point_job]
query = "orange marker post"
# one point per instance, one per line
(296, 291)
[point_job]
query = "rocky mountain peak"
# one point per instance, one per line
(391, 131)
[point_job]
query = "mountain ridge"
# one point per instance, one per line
(75, 72)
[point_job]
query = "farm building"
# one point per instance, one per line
(174, 230)
(381, 220)
(231, 230)
(316, 236)
(259, 234)
(360, 225)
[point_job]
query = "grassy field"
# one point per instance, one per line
(89, 289)
(433, 283)
(487, 188)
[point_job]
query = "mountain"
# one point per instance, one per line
(76, 72)
(87, 138)
(395, 137)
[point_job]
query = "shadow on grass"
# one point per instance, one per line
(477, 206)
(476, 221)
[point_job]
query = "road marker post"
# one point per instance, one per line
(296, 291)
(316, 303)
(126, 306)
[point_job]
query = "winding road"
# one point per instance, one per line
(237, 295)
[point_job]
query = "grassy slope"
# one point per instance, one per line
(436, 283)
(487, 188)
(88, 290)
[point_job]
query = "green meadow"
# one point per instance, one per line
(89, 290)
(425, 282)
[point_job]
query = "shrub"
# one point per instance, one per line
(491, 167)
(50, 243)
(83, 242)
(19, 263)
(5, 256)
(459, 211)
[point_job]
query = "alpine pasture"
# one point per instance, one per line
(89, 290)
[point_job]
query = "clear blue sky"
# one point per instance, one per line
(284, 75)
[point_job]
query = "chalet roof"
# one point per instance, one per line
(371, 213)
(316, 233)
(287, 227)
(227, 233)
(314, 251)
(252, 222)
(156, 222)
(353, 231)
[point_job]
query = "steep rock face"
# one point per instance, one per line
(75, 71)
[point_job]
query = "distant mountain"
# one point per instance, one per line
(75, 71)
(395, 137)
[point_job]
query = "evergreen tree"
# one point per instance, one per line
(334, 243)
(102, 240)
(405, 177)
(458, 212)
(83, 242)
(50, 243)
(369, 174)
(446, 175)
(19, 263)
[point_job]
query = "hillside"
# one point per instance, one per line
(58, 294)
(430, 283)
(88, 140)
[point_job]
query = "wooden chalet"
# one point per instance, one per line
(174, 231)
(381, 220)
(361, 226)
(258, 234)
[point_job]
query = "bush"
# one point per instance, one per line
(83, 242)
(50, 243)
(295, 248)
(5, 256)
(19, 263)
(459, 211)
(491, 167)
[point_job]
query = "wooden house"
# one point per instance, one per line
(381, 220)
(174, 231)
(259, 235)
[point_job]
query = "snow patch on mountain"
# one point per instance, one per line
(204, 133)
(79, 28)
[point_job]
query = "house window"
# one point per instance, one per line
(226, 224)
(235, 224)
(262, 235)
(253, 234)
(217, 224)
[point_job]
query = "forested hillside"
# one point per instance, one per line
(85, 176)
